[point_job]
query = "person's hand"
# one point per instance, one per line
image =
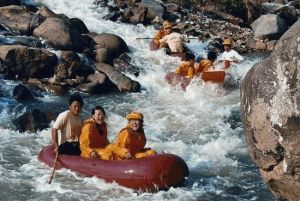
(55, 148)
(94, 155)
(128, 155)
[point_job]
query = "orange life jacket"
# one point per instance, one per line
(186, 68)
(135, 141)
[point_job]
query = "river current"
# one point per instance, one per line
(202, 125)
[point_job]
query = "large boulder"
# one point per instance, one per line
(33, 121)
(124, 83)
(270, 101)
(114, 44)
(22, 93)
(269, 27)
(16, 18)
(98, 84)
(60, 34)
(9, 2)
(154, 9)
(25, 62)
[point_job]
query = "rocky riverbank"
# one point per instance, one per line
(55, 53)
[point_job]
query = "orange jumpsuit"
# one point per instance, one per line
(159, 35)
(204, 65)
(92, 140)
(131, 141)
(186, 68)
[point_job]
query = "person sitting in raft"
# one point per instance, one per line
(166, 29)
(229, 55)
(130, 142)
(93, 138)
(206, 64)
(69, 123)
(186, 67)
(175, 41)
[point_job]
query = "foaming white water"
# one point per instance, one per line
(192, 123)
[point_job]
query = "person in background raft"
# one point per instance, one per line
(206, 64)
(130, 142)
(229, 55)
(175, 41)
(166, 29)
(93, 138)
(69, 123)
(186, 67)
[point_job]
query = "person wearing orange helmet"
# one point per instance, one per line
(130, 142)
(229, 55)
(165, 30)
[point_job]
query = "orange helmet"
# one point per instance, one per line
(227, 41)
(135, 115)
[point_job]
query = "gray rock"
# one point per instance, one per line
(114, 44)
(32, 121)
(25, 62)
(60, 34)
(101, 55)
(9, 2)
(124, 64)
(22, 93)
(124, 83)
(172, 7)
(70, 56)
(269, 27)
(270, 99)
(16, 18)
(98, 84)
(154, 9)
(289, 14)
(271, 8)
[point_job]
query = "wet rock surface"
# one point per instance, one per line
(269, 102)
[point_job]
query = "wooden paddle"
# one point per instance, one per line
(53, 170)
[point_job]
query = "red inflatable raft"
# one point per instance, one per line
(213, 76)
(151, 173)
(174, 79)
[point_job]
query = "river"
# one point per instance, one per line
(202, 125)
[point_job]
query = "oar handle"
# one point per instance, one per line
(54, 166)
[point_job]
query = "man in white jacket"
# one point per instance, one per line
(229, 55)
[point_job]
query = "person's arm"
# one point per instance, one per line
(157, 37)
(121, 140)
(164, 39)
(58, 124)
(84, 141)
(237, 57)
(191, 72)
(54, 137)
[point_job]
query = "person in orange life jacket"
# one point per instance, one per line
(69, 124)
(93, 138)
(175, 41)
(206, 64)
(229, 55)
(130, 142)
(166, 29)
(186, 67)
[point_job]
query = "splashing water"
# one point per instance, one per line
(202, 125)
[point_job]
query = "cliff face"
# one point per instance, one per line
(270, 105)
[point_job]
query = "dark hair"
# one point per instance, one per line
(188, 56)
(76, 97)
(98, 108)
(212, 56)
